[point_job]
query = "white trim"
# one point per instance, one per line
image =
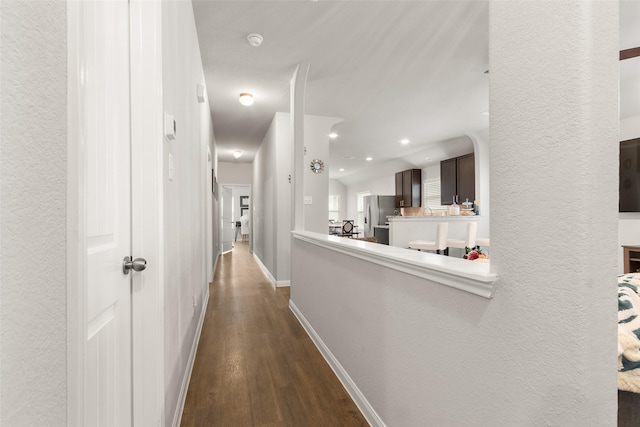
(147, 214)
(215, 265)
(182, 397)
(356, 395)
(275, 283)
(469, 276)
(265, 270)
(75, 227)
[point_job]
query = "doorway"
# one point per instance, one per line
(235, 218)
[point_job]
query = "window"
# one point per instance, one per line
(431, 194)
(360, 219)
(334, 207)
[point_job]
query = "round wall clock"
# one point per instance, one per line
(317, 166)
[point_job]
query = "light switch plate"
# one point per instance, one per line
(169, 127)
(200, 93)
(308, 200)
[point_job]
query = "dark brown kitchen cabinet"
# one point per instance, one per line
(409, 188)
(458, 178)
(448, 181)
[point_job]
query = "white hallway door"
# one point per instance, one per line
(104, 109)
(227, 218)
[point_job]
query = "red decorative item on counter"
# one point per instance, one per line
(472, 254)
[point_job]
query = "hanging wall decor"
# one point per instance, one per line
(317, 166)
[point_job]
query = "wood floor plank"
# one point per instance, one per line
(255, 365)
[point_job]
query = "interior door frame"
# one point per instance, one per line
(218, 220)
(145, 19)
(221, 217)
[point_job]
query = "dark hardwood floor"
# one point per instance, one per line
(255, 364)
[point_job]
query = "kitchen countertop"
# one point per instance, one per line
(431, 218)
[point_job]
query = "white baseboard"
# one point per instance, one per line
(359, 399)
(265, 270)
(182, 397)
(215, 265)
(275, 283)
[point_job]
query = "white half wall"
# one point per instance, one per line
(33, 213)
(541, 351)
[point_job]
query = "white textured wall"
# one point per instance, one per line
(316, 185)
(283, 191)
(263, 205)
(184, 197)
(271, 205)
(481, 148)
(235, 173)
(384, 186)
(33, 233)
(554, 123)
(336, 187)
(431, 172)
(542, 351)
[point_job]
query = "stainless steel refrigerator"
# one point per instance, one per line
(376, 210)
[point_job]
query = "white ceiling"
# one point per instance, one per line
(388, 69)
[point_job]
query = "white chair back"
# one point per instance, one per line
(472, 232)
(441, 235)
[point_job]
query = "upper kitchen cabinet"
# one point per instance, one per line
(457, 178)
(409, 188)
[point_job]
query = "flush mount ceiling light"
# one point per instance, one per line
(333, 135)
(368, 159)
(246, 98)
(341, 169)
(404, 141)
(255, 40)
(237, 154)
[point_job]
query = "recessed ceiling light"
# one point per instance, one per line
(368, 159)
(341, 169)
(237, 154)
(246, 98)
(404, 141)
(333, 135)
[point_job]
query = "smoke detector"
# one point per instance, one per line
(255, 40)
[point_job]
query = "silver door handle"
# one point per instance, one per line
(137, 264)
